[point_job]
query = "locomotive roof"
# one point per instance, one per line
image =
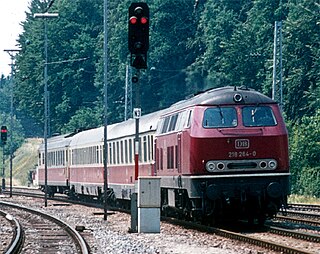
(224, 96)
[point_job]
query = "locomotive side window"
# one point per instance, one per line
(188, 125)
(173, 122)
(220, 117)
(258, 116)
(165, 125)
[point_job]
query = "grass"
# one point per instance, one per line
(24, 160)
(298, 199)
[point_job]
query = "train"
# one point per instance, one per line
(221, 154)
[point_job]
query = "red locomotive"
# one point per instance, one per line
(220, 154)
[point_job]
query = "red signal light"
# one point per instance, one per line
(133, 20)
(4, 133)
(144, 20)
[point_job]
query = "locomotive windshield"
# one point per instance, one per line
(258, 116)
(220, 117)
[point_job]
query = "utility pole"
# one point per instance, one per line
(46, 16)
(105, 133)
(12, 53)
(277, 89)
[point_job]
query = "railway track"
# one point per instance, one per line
(43, 233)
(255, 238)
(250, 238)
(14, 233)
(304, 207)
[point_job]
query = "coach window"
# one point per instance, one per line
(58, 158)
(113, 152)
(152, 147)
(121, 152)
(117, 153)
(145, 153)
(110, 153)
(130, 151)
(102, 154)
(56, 161)
(126, 151)
(149, 148)
(93, 155)
(90, 155)
(96, 152)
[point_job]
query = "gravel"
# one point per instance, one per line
(112, 236)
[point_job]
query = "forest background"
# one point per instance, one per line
(194, 46)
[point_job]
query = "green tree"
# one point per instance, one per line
(304, 151)
(72, 43)
(302, 33)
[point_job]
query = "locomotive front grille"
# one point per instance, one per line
(242, 165)
(233, 165)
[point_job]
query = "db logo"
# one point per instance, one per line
(242, 143)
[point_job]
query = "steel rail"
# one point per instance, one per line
(18, 237)
(237, 236)
(298, 235)
(78, 239)
(298, 220)
(304, 206)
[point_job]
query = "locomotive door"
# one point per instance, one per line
(178, 152)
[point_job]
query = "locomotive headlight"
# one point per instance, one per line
(273, 164)
(221, 166)
(210, 166)
(263, 164)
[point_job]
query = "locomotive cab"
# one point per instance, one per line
(233, 156)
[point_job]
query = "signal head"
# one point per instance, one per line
(138, 30)
(4, 133)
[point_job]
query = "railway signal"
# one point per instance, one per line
(138, 34)
(4, 134)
